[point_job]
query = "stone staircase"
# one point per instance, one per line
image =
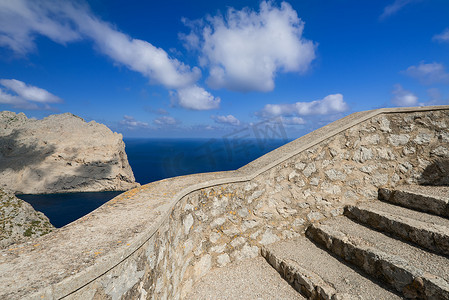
(390, 249)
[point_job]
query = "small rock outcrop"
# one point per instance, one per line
(19, 221)
(61, 153)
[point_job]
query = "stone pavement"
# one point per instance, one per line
(248, 279)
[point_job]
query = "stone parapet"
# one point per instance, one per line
(157, 240)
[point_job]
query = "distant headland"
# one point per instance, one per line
(61, 153)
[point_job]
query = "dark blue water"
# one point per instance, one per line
(156, 159)
(63, 209)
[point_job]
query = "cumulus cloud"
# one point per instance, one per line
(229, 120)
(66, 21)
(442, 37)
(29, 92)
(137, 55)
(195, 98)
(165, 121)
(403, 97)
(21, 95)
(21, 21)
(395, 7)
(293, 121)
(131, 123)
(428, 73)
(330, 104)
(246, 49)
(15, 101)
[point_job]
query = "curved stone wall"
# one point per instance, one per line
(154, 242)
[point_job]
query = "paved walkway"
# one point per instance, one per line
(248, 279)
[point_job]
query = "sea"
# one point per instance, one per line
(156, 159)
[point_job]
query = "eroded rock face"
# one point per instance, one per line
(61, 153)
(19, 221)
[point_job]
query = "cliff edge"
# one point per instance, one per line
(61, 153)
(19, 222)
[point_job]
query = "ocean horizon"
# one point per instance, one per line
(153, 159)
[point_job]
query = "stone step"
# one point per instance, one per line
(247, 279)
(413, 272)
(431, 199)
(317, 275)
(428, 231)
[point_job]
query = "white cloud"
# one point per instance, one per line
(66, 21)
(403, 97)
(29, 92)
(15, 101)
(24, 96)
(229, 119)
(246, 49)
(131, 123)
(137, 55)
(330, 104)
(6, 98)
(21, 21)
(428, 73)
(442, 37)
(166, 120)
(395, 7)
(293, 121)
(195, 98)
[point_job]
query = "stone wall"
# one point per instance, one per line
(228, 218)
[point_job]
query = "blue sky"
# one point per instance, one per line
(208, 68)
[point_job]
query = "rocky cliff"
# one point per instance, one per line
(19, 221)
(61, 153)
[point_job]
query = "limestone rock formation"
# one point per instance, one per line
(61, 153)
(19, 222)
